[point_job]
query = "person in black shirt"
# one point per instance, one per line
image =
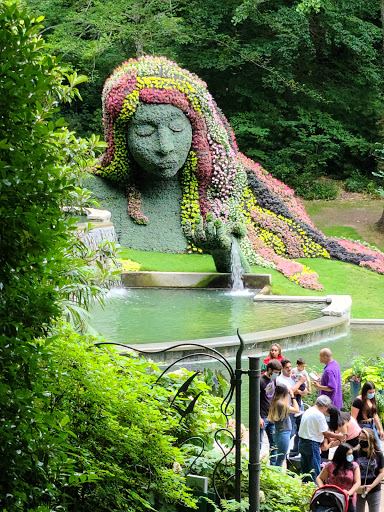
(364, 410)
(371, 461)
(267, 388)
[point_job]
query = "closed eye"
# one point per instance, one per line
(145, 130)
(177, 125)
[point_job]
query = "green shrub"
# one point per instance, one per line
(319, 189)
(280, 491)
(357, 182)
(118, 428)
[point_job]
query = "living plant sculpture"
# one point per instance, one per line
(161, 122)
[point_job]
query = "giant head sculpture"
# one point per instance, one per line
(161, 123)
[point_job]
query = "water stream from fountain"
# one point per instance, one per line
(94, 237)
(236, 268)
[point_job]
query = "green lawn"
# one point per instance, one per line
(341, 232)
(366, 288)
(164, 262)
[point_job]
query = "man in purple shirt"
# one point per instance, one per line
(330, 383)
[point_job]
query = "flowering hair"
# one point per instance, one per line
(216, 178)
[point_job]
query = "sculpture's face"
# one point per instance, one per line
(159, 139)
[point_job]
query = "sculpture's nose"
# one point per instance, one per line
(165, 141)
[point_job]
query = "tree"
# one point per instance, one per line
(49, 380)
(300, 82)
(96, 37)
(33, 186)
(302, 87)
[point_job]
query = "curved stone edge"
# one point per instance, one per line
(292, 298)
(142, 279)
(258, 343)
(367, 321)
(340, 305)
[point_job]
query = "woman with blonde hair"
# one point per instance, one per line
(282, 405)
(371, 462)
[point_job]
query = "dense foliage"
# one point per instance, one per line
(55, 423)
(300, 81)
(119, 428)
(32, 235)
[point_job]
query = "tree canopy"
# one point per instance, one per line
(300, 81)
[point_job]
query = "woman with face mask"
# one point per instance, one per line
(371, 462)
(279, 412)
(364, 410)
(343, 472)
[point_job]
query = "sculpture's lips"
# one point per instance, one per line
(165, 164)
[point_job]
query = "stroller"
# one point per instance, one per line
(329, 498)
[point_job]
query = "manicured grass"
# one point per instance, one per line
(164, 262)
(341, 232)
(366, 288)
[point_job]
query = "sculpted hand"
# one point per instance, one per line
(216, 238)
(214, 235)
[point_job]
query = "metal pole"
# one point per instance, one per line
(254, 434)
(238, 373)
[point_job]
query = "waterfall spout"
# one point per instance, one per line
(94, 237)
(236, 268)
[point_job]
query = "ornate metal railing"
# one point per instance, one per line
(235, 382)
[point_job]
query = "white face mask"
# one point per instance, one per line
(274, 376)
(327, 419)
(349, 458)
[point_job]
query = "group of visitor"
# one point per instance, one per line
(357, 465)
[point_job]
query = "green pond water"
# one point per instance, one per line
(144, 315)
(155, 315)
(363, 340)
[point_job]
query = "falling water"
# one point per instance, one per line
(94, 237)
(236, 268)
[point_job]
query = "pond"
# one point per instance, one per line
(150, 315)
(155, 315)
(362, 339)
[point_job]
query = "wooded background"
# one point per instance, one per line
(300, 81)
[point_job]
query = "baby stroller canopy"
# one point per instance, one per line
(329, 498)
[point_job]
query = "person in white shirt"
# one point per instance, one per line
(285, 378)
(299, 371)
(299, 390)
(313, 429)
